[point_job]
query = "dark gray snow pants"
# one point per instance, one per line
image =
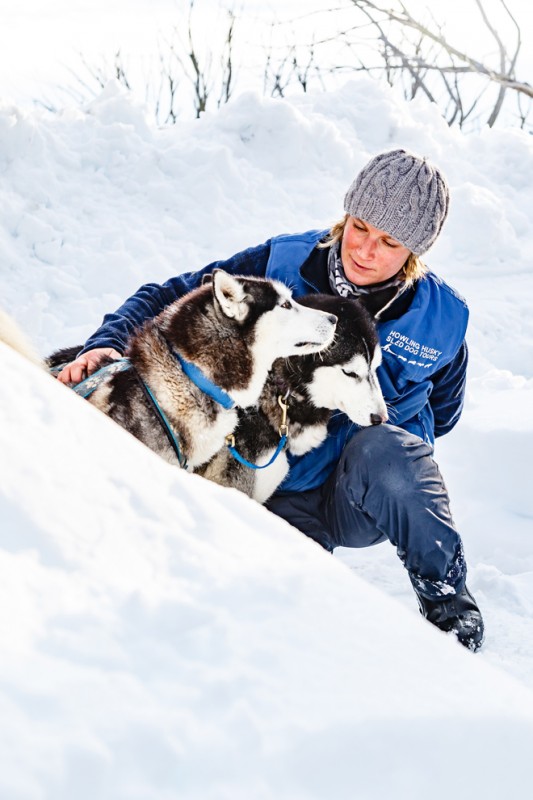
(386, 486)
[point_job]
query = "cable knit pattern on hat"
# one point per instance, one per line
(402, 194)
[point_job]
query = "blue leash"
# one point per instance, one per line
(173, 439)
(86, 387)
(237, 456)
(283, 433)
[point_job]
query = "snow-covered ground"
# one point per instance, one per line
(161, 637)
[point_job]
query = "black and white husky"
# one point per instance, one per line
(342, 376)
(188, 370)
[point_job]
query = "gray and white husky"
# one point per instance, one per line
(205, 355)
(342, 376)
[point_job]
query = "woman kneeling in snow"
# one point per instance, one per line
(362, 486)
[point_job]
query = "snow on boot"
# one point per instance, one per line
(457, 613)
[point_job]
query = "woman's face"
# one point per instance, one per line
(370, 255)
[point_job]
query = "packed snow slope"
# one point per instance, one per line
(162, 637)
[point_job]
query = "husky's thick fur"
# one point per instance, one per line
(343, 376)
(232, 330)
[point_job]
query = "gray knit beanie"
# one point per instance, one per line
(402, 194)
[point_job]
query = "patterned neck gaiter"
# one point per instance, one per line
(340, 284)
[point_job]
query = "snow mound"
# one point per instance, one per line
(161, 636)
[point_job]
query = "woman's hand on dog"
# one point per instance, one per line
(86, 364)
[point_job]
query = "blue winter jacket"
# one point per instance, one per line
(424, 350)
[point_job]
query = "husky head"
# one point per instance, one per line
(279, 325)
(272, 325)
(235, 327)
(344, 376)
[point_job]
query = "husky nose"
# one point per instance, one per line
(376, 419)
(333, 319)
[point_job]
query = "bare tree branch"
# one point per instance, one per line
(476, 66)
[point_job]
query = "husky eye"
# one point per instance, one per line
(286, 304)
(352, 375)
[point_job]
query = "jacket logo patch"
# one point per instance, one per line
(409, 350)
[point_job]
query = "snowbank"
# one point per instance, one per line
(160, 638)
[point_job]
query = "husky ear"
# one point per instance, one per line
(230, 295)
(207, 279)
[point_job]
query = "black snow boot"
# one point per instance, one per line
(457, 613)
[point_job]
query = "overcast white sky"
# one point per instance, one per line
(41, 39)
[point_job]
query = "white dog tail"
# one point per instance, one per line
(11, 334)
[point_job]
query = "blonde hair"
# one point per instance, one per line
(413, 270)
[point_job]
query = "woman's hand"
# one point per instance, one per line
(86, 364)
